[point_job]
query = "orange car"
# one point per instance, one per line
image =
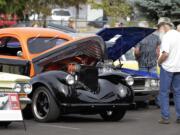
(19, 44)
(68, 75)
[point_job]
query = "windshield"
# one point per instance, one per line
(129, 55)
(41, 44)
(61, 13)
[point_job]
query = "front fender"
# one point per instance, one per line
(108, 93)
(55, 82)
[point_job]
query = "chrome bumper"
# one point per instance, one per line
(145, 93)
(143, 89)
(25, 100)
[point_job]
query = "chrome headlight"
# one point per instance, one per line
(17, 88)
(129, 80)
(154, 83)
(122, 91)
(27, 88)
(147, 82)
(151, 83)
(70, 79)
(158, 83)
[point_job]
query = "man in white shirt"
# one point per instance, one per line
(169, 62)
(178, 27)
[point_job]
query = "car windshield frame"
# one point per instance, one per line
(32, 43)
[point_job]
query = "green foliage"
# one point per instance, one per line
(12, 6)
(24, 7)
(153, 9)
(114, 8)
(2, 2)
(39, 6)
(75, 3)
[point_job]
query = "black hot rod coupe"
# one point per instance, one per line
(68, 75)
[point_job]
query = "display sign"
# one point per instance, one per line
(10, 109)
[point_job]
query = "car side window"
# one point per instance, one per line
(9, 46)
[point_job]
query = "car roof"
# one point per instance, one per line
(28, 32)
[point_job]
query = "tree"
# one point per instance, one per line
(75, 3)
(153, 9)
(23, 7)
(114, 8)
(2, 2)
(45, 6)
(12, 6)
(42, 7)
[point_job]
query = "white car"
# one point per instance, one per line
(60, 14)
(3, 100)
(16, 84)
(13, 83)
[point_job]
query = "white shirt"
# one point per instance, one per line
(171, 45)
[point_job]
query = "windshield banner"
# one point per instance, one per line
(10, 107)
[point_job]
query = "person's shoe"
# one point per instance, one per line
(164, 121)
(178, 121)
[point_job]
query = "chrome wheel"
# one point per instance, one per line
(41, 104)
(44, 107)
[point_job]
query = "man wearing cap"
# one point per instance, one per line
(169, 62)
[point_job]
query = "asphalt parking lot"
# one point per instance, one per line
(136, 122)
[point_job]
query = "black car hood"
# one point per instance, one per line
(127, 37)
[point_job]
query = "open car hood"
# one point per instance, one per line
(124, 39)
(89, 46)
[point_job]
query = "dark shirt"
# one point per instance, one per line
(147, 48)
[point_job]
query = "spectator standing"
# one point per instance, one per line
(71, 23)
(146, 52)
(170, 69)
(178, 27)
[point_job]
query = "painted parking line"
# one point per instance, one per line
(58, 126)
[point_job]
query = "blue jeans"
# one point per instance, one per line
(146, 69)
(169, 80)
